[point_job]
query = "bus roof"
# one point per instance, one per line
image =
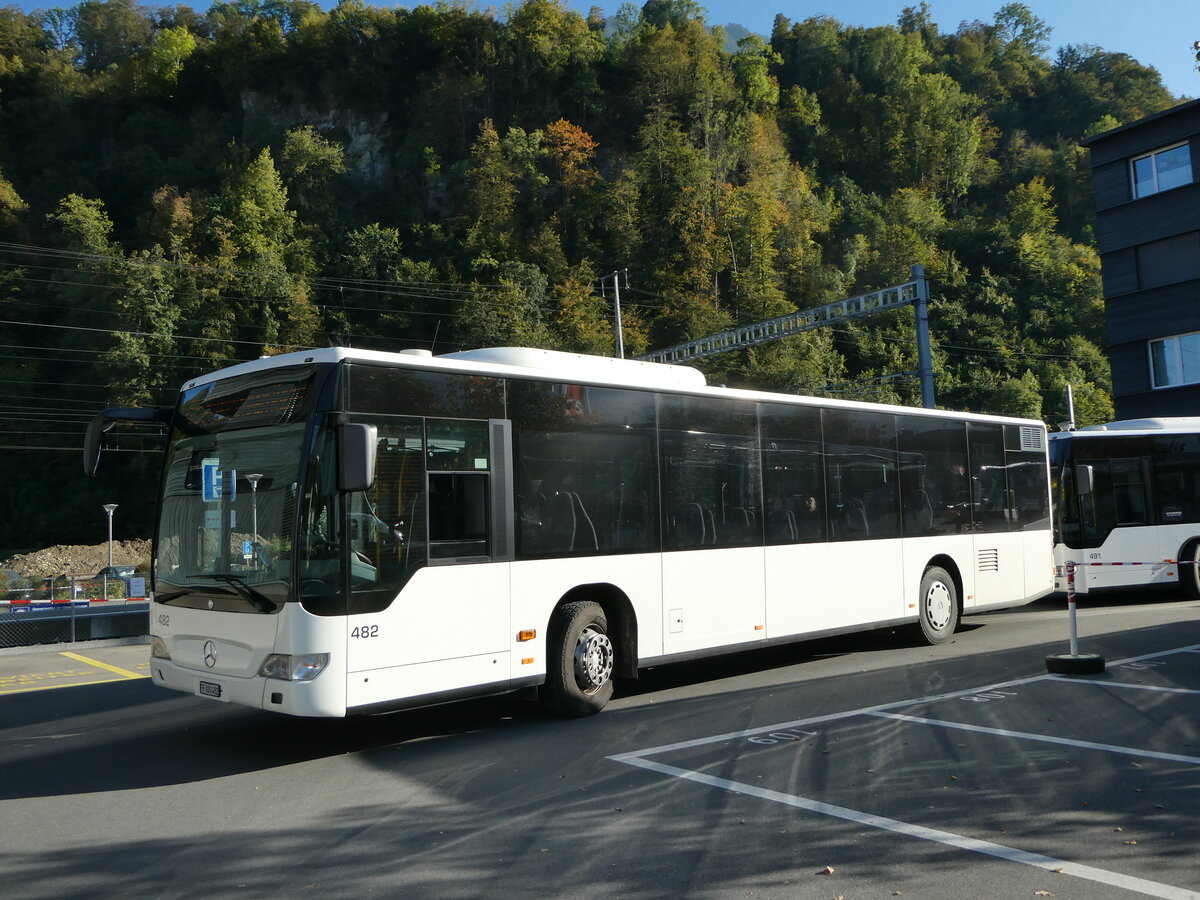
(1133, 427)
(600, 371)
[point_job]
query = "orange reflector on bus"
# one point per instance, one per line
(527, 635)
(527, 661)
(758, 628)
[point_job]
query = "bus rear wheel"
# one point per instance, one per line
(580, 660)
(1189, 570)
(938, 605)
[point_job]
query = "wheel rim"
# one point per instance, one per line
(938, 606)
(593, 659)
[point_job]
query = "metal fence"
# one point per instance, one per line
(72, 608)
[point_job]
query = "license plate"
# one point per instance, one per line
(210, 689)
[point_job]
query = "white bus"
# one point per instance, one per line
(1127, 504)
(345, 532)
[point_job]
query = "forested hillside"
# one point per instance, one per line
(183, 189)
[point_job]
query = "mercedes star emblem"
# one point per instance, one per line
(210, 654)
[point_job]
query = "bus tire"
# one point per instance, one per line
(1189, 569)
(580, 660)
(938, 605)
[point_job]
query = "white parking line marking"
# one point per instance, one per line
(817, 720)
(962, 842)
(1090, 873)
(867, 710)
(1120, 684)
(1044, 738)
(1192, 648)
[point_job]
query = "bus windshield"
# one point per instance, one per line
(230, 488)
(1117, 493)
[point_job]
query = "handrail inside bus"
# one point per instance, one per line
(103, 422)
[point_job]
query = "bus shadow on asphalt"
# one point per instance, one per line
(131, 735)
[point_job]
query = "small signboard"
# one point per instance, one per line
(216, 484)
(211, 472)
(248, 549)
(136, 587)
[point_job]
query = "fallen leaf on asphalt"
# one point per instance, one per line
(828, 870)
(1131, 843)
(1118, 828)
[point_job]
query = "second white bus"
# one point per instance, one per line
(1127, 504)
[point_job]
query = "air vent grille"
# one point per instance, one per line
(989, 560)
(1033, 439)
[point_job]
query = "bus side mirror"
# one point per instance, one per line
(1085, 480)
(96, 430)
(356, 457)
(103, 423)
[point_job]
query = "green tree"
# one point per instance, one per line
(1020, 396)
(491, 197)
(168, 53)
(310, 165)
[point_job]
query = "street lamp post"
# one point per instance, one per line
(253, 479)
(108, 508)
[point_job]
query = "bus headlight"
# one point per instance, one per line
(158, 648)
(301, 667)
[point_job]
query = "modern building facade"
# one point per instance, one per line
(1145, 177)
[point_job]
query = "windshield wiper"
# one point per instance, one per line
(256, 599)
(168, 596)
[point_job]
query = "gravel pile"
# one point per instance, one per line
(78, 560)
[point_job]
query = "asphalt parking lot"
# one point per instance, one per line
(1067, 774)
(861, 766)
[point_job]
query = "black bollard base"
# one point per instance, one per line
(1074, 663)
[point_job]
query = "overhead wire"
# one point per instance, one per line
(444, 290)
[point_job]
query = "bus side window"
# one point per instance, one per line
(458, 460)
(458, 515)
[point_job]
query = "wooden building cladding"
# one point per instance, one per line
(1150, 256)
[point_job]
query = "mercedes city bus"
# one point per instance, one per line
(343, 531)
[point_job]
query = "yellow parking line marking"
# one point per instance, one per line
(95, 662)
(52, 687)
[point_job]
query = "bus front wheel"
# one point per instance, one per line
(580, 659)
(938, 605)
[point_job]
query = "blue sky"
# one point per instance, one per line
(1157, 33)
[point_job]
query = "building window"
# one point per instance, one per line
(1175, 360)
(1170, 167)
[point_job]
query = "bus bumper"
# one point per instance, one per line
(296, 698)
